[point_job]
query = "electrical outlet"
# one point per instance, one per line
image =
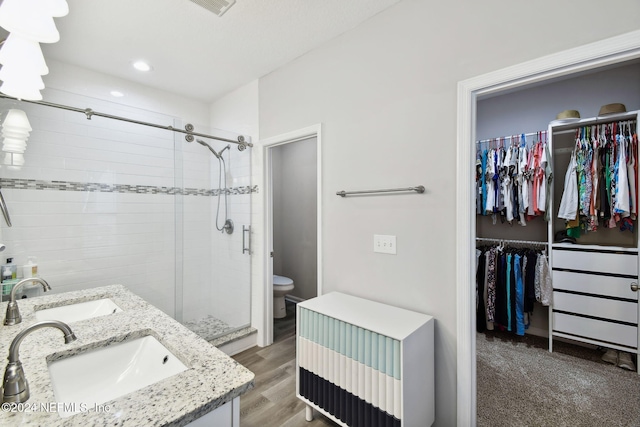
(384, 244)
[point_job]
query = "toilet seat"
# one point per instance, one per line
(281, 281)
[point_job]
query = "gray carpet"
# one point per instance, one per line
(521, 384)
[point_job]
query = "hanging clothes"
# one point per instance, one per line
(569, 202)
(509, 280)
(513, 180)
(601, 188)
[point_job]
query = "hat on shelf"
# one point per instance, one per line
(612, 109)
(567, 116)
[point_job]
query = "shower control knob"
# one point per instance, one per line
(634, 286)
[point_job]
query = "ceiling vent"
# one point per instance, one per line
(219, 7)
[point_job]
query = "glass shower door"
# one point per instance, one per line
(213, 292)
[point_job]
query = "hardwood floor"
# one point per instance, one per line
(273, 402)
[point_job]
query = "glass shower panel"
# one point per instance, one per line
(216, 279)
(92, 200)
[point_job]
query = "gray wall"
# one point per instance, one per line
(386, 96)
(295, 236)
(531, 110)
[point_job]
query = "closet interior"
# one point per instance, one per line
(538, 273)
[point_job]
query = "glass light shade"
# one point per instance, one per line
(11, 145)
(15, 135)
(17, 50)
(31, 19)
(23, 77)
(16, 119)
(16, 159)
(18, 91)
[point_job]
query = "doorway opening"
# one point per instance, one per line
(293, 249)
(586, 58)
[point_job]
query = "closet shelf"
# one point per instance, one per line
(571, 127)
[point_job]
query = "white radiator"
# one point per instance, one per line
(362, 363)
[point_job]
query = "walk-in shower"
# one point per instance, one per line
(113, 198)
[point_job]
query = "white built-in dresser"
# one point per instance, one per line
(595, 281)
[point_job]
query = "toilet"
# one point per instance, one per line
(281, 286)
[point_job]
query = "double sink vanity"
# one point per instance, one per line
(130, 365)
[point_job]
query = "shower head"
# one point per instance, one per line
(215, 153)
(225, 148)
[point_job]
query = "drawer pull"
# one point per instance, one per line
(634, 286)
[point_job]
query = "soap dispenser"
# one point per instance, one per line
(9, 270)
(30, 269)
(6, 273)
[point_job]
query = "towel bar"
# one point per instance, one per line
(418, 189)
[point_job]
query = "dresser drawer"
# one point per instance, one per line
(607, 332)
(622, 311)
(619, 287)
(625, 263)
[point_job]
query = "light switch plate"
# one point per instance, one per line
(384, 244)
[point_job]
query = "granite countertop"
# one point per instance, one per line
(213, 378)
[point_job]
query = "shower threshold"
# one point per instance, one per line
(216, 331)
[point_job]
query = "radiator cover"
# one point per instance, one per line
(362, 363)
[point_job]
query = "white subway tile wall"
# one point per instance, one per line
(120, 227)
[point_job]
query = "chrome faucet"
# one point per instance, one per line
(13, 316)
(15, 385)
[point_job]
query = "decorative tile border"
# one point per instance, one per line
(36, 184)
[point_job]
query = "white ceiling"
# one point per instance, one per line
(194, 52)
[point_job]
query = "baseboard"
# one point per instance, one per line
(294, 299)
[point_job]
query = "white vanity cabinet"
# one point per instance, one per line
(227, 415)
(595, 294)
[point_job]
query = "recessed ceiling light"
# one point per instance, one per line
(117, 93)
(141, 66)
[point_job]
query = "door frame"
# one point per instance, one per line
(602, 53)
(314, 131)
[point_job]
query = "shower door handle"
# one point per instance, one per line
(246, 242)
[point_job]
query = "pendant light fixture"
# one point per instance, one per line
(15, 132)
(29, 22)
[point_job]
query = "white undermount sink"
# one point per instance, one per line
(79, 311)
(89, 379)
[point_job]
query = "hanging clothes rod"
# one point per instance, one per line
(517, 242)
(512, 137)
(418, 189)
(90, 113)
